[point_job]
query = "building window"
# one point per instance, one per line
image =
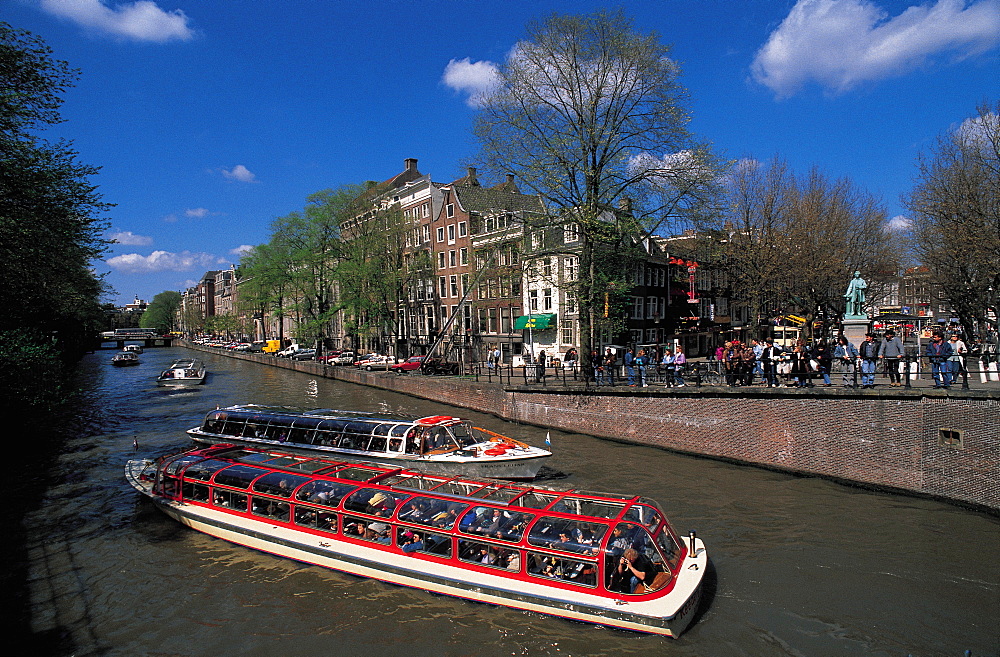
(452, 258)
(569, 303)
(454, 285)
(440, 233)
(566, 331)
(463, 256)
(636, 307)
(536, 239)
(571, 268)
(547, 298)
(463, 229)
(547, 268)
(441, 262)
(451, 234)
(571, 232)
(533, 300)
(443, 286)
(449, 210)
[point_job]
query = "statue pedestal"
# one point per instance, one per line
(855, 329)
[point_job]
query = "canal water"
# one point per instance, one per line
(800, 566)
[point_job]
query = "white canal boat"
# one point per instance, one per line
(439, 443)
(186, 372)
(607, 559)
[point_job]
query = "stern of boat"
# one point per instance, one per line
(141, 473)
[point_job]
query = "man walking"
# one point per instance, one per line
(869, 357)
(890, 351)
(939, 351)
(769, 358)
(609, 367)
(630, 366)
(957, 360)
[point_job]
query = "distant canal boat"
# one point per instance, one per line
(125, 358)
(612, 560)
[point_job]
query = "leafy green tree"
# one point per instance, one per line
(51, 217)
(590, 114)
(265, 283)
(161, 313)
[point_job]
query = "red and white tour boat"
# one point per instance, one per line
(612, 560)
(440, 443)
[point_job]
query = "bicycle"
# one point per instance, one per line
(704, 373)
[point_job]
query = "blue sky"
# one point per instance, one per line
(211, 118)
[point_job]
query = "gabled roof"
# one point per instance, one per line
(486, 199)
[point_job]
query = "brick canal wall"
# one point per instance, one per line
(934, 444)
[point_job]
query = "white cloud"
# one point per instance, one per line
(898, 224)
(477, 79)
(196, 213)
(239, 173)
(129, 238)
(141, 21)
(840, 44)
(134, 263)
(241, 250)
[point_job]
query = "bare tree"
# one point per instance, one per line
(956, 217)
(589, 113)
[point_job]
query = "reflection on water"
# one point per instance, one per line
(801, 566)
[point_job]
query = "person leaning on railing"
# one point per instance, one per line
(890, 351)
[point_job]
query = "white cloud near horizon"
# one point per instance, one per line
(475, 79)
(239, 173)
(157, 261)
(840, 44)
(128, 238)
(242, 250)
(142, 20)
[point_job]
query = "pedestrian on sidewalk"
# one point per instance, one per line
(846, 354)
(939, 352)
(868, 351)
(890, 352)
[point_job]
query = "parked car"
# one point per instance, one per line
(289, 350)
(408, 365)
(361, 361)
(328, 357)
(378, 363)
(257, 347)
(345, 358)
(304, 354)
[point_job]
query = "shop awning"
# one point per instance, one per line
(536, 322)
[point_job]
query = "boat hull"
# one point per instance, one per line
(512, 468)
(181, 382)
(415, 572)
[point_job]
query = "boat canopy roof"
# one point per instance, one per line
(241, 466)
(311, 418)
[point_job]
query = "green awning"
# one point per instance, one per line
(536, 322)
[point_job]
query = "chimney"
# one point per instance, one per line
(625, 205)
(510, 178)
(411, 163)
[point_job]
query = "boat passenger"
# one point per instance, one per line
(634, 568)
(514, 561)
(412, 542)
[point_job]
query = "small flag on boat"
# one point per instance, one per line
(548, 439)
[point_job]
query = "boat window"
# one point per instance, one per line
(307, 516)
(463, 433)
(167, 486)
(463, 488)
(503, 494)
(424, 542)
(280, 484)
(325, 493)
(534, 500)
(437, 439)
(583, 506)
(214, 422)
(195, 492)
(644, 514)
(368, 530)
(399, 430)
(203, 471)
(629, 540)
(487, 554)
(178, 464)
(496, 523)
(413, 441)
(374, 502)
(573, 571)
(382, 430)
(310, 466)
(668, 548)
(283, 462)
(377, 444)
(234, 426)
(262, 506)
(432, 512)
(567, 535)
(230, 499)
(357, 473)
(418, 482)
(238, 476)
